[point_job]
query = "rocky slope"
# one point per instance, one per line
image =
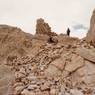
(13, 41)
(45, 63)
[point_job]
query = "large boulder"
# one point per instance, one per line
(91, 33)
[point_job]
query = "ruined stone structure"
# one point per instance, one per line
(44, 28)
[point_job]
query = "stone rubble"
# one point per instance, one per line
(49, 69)
(37, 67)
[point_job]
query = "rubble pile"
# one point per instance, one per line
(56, 70)
(31, 65)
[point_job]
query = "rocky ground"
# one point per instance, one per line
(56, 70)
(45, 63)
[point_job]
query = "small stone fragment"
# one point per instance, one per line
(53, 92)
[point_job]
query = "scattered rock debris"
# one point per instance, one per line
(42, 68)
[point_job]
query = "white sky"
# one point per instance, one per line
(58, 13)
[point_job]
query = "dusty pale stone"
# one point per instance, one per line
(67, 93)
(45, 87)
(52, 71)
(32, 77)
(45, 93)
(19, 89)
(32, 87)
(81, 71)
(62, 90)
(26, 92)
(19, 75)
(76, 92)
(6, 77)
(86, 54)
(84, 74)
(89, 80)
(42, 68)
(59, 63)
(65, 73)
(91, 33)
(89, 68)
(22, 70)
(53, 91)
(18, 84)
(75, 64)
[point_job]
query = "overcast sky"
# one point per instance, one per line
(60, 14)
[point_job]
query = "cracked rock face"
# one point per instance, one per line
(91, 33)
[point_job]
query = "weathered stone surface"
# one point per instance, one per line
(85, 74)
(87, 54)
(59, 63)
(88, 72)
(89, 68)
(91, 33)
(6, 77)
(32, 87)
(76, 92)
(18, 89)
(45, 87)
(52, 71)
(78, 62)
(43, 28)
(32, 78)
(53, 92)
(26, 92)
(13, 42)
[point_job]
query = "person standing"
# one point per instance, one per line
(68, 32)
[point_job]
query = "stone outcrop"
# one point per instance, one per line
(91, 33)
(13, 41)
(44, 28)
